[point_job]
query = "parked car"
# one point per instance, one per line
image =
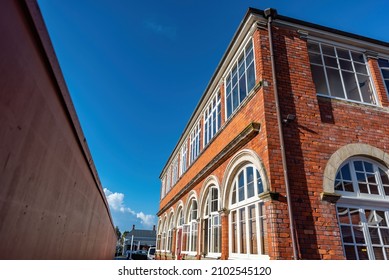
(151, 253)
(139, 255)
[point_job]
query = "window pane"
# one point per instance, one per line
(235, 98)
(233, 198)
(351, 86)
(313, 47)
(250, 77)
(250, 182)
(343, 215)
(358, 165)
(362, 253)
(350, 252)
(329, 50)
(360, 68)
(383, 62)
(259, 183)
(242, 88)
(319, 79)
(374, 237)
(343, 53)
(336, 87)
(385, 73)
(358, 57)
(253, 230)
(242, 226)
(315, 58)
(330, 61)
(366, 89)
(346, 234)
(385, 236)
(378, 253)
(346, 65)
(234, 233)
(241, 186)
(358, 234)
(346, 174)
(384, 177)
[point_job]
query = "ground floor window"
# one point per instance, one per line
(365, 232)
(363, 209)
(247, 215)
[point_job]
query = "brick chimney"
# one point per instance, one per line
(133, 227)
(153, 227)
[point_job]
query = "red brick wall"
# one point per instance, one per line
(321, 127)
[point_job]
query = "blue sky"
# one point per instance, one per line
(136, 70)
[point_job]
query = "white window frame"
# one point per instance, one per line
(235, 63)
(195, 142)
(362, 202)
(259, 217)
(193, 226)
(175, 171)
(169, 240)
(210, 215)
(384, 80)
(212, 118)
(339, 69)
(183, 158)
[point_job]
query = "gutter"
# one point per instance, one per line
(270, 14)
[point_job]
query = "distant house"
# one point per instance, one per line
(138, 239)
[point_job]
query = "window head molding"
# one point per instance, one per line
(240, 159)
(339, 157)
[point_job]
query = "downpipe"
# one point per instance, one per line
(269, 15)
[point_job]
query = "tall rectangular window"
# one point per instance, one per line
(212, 118)
(384, 66)
(175, 171)
(240, 80)
(195, 142)
(340, 73)
(184, 158)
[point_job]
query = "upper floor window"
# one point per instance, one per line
(175, 171)
(363, 209)
(168, 180)
(240, 80)
(340, 73)
(384, 66)
(184, 158)
(195, 142)
(212, 118)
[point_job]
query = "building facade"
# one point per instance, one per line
(286, 155)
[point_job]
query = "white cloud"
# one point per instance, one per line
(116, 203)
(147, 220)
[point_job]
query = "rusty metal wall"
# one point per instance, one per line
(52, 205)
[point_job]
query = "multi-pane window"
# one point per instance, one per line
(365, 233)
(163, 191)
(240, 79)
(247, 218)
(340, 73)
(384, 66)
(212, 118)
(212, 223)
(170, 233)
(168, 180)
(195, 142)
(175, 171)
(361, 177)
(363, 210)
(184, 158)
(190, 230)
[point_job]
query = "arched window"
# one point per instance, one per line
(180, 224)
(247, 215)
(190, 229)
(170, 226)
(212, 223)
(363, 209)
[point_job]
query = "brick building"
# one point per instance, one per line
(286, 155)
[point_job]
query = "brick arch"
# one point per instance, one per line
(240, 159)
(344, 153)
